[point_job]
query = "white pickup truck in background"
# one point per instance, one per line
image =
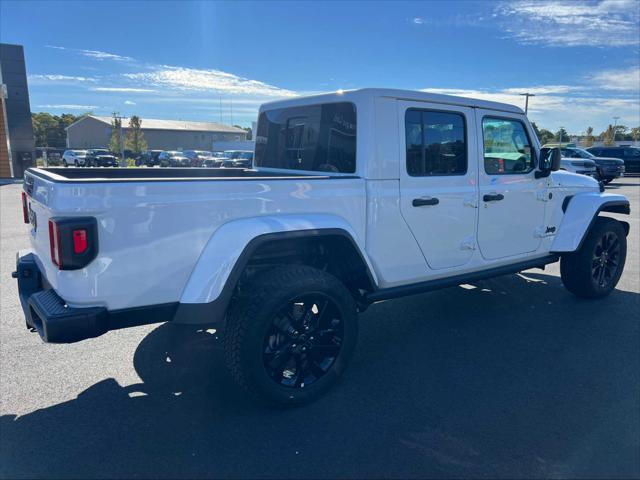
(354, 198)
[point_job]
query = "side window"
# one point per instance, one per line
(436, 143)
(507, 149)
(632, 152)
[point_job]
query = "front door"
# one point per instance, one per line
(438, 180)
(511, 202)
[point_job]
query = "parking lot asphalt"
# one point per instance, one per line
(511, 377)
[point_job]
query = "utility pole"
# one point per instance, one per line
(116, 115)
(526, 102)
(560, 132)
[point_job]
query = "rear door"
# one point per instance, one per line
(438, 180)
(511, 206)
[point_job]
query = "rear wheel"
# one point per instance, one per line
(291, 336)
(64, 163)
(595, 269)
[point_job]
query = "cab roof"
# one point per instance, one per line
(409, 95)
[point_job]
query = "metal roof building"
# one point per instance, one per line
(95, 131)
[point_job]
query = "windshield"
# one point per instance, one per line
(583, 153)
(101, 152)
(313, 137)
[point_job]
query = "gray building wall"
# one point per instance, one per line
(13, 75)
(90, 132)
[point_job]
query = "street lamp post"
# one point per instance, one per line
(615, 125)
(526, 102)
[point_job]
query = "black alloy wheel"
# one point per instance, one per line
(303, 341)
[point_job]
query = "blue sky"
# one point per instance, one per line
(183, 60)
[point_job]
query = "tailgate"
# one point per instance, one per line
(39, 193)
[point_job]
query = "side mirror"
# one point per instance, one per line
(549, 161)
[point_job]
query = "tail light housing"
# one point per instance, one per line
(25, 207)
(73, 242)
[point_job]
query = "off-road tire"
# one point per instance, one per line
(251, 316)
(577, 268)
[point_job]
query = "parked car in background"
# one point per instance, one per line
(582, 166)
(173, 158)
(213, 162)
(238, 159)
(609, 168)
(149, 158)
(198, 157)
(74, 157)
(629, 154)
(100, 157)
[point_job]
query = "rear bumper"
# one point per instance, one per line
(56, 322)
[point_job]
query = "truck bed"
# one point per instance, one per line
(84, 175)
(154, 223)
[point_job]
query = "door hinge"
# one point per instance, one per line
(469, 243)
(544, 195)
(544, 231)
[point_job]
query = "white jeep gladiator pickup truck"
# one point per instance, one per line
(355, 197)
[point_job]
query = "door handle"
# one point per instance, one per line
(493, 197)
(420, 202)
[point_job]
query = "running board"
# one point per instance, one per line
(437, 284)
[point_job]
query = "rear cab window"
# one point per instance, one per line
(507, 147)
(320, 138)
(436, 143)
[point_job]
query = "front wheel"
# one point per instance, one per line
(594, 270)
(291, 335)
(64, 163)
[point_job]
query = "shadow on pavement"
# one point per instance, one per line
(492, 379)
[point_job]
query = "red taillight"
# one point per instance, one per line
(79, 241)
(25, 208)
(54, 243)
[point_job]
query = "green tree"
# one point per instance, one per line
(49, 130)
(635, 134)
(588, 141)
(620, 132)
(546, 136)
(115, 144)
(561, 135)
(608, 136)
(135, 137)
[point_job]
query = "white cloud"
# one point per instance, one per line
(419, 21)
(574, 110)
(60, 78)
(69, 107)
(180, 78)
(123, 89)
(129, 102)
(544, 90)
(566, 23)
(623, 80)
(96, 54)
